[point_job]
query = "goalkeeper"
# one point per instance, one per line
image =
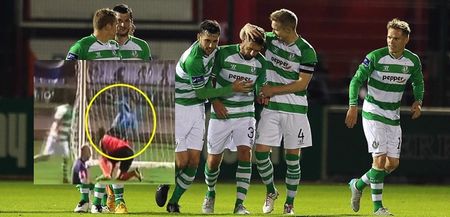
(115, 143)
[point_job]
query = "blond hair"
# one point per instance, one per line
(285, 17)
(399, 24)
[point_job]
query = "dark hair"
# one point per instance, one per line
(102, 17)
(210, 26)
(123, 9)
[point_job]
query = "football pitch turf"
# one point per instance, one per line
(26, 199)
(50, 171)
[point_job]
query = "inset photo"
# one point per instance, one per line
(109, 122)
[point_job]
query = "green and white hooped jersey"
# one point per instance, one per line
(386, 80)
(135, 49)
(285, 64)
(230, 66)
(192, 72)
(63, 115)
(89, 48)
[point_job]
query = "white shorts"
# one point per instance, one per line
(382, 138)
(293, 128)
(55, 145)
(227, 134)
(189, 127)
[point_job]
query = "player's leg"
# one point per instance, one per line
(212, 170)
(297, 135)
(219, 132)
(99, 192)
(268, 135)
(48, 150)
(243, 137)
(185, 177)
(64, 142)
(243, 177)
(189, 133)
(83, 205)
(387, 163)
(376, 176)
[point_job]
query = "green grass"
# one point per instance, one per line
(25, 199)
(50, 172)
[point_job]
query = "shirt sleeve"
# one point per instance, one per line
(417, 82)
(361, 75)
(74, 52)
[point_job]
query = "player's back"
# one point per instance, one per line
(89, 48)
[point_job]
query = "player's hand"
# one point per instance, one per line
(242, 86)
(266, 91)
(262, 100)
(416, 109)
(352, 116)
(250, 31)
(219, 109)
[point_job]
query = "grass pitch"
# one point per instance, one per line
(26, 199)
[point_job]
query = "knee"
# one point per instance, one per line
(181, 164)
(391, 166)
(193, 162)
(213, 163)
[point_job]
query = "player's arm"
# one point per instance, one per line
(361, 75)
(75, 52)
(250, 30)
(204, 90)
(261, 81)
(307, 66)
(299, 85)
(418, 90)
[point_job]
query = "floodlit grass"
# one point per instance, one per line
(26, 199)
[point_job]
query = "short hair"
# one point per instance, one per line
(123, 9)
(285, 17)
(103, 17)
(210, 26)
(260, 39)
(399, 24)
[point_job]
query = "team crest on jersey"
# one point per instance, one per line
(385, 68)
(275, 50)
(253, 70)
(291, 57)
(405, 69)
(134, 53)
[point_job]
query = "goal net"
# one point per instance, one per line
(155, 79)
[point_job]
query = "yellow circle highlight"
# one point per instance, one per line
(87, 121)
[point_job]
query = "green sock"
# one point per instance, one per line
(243, 176)
(84, 190)
(99, 191)
(363, 182)
(118, 193)
(265, 170)
(211, 180)
(376, 178)
(292, 179)
(183, 182)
